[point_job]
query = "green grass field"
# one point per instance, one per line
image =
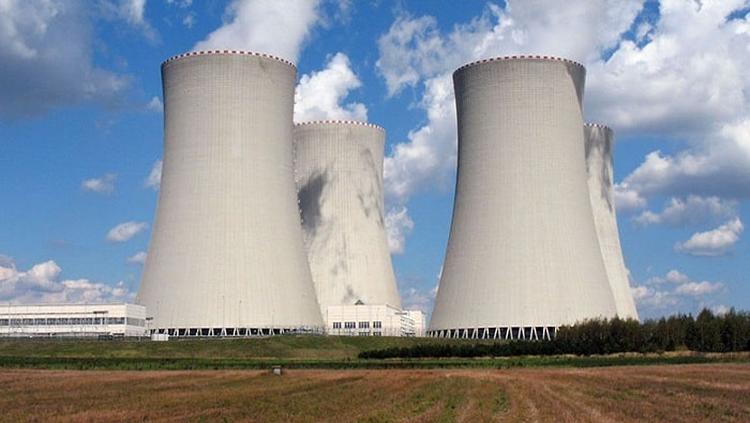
(289, 351)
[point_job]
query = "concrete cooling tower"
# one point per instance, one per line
(339, 167)
(599, 147)
(226, 253)
(523, 256)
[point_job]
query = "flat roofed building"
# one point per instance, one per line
(77, 320)
(373, 320)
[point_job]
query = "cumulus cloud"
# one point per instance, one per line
(42, 284)
(153, 180)
(674, 292)
(628, 200)
(649, 297)
(698, 288)
(398, 224)
(715, 242)
(155, 105)
(189, 20)
(46, 51)
(125, 231)
(720, 168)
(133, 12)
(695, 49)
(319, 95)
(138, 258)
(103, 185)
(419, 299)
(693, 210)
(268, 26)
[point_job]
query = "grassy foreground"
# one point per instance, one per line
(293, 352)
(708, 392)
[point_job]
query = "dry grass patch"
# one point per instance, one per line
(653, 393)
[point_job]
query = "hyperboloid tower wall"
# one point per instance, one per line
(339, 167)
(227, 249)
(523, 255)
(599, 149)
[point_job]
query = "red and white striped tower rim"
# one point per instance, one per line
(520, 57)
(340, 122)
(598, 125)
(228, 52)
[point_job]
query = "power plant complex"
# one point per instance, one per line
(264, 227)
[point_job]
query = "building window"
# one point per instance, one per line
(364, 325)
(350, 325)
(337, 325)
(377, 333)
(377, 324)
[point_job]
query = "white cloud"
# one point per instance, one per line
(674, 292)
(180, 3)
(133, 12)
(268, 26)
(721, 168)
(153, 180)
(103, 185)
(698, 288)
(41, 284)
(715, 242)
(319, 94)
(720, 309)
(125, 231)
(189, 20)
(418, 299)
(696, 51)
(626, 199)
(46, 54)
(428, 158)
(693, 210)
(398, 224)
(138, 258)
(693, 50)
(675, 276)
(155, 105)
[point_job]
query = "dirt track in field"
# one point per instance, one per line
(713, 392)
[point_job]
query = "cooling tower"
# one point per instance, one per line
(339, 166)
(227, 252)
(599, 148)
(523, 256)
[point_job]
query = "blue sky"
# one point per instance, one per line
(81, 125)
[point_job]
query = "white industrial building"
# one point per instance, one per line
(523, 256)
(73, 320)
(599, 148)
(374, 320)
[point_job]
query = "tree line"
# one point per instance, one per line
(706, 332)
